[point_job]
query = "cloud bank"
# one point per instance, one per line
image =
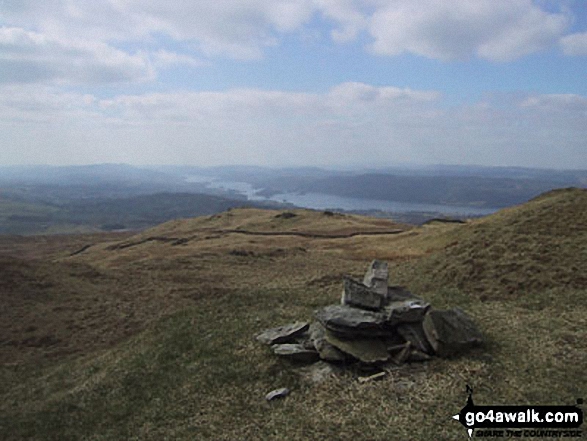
(351, 124)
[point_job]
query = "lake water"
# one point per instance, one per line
(322, 201)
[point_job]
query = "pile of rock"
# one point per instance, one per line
(375, 324)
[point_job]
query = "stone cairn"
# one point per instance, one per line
(375, 324)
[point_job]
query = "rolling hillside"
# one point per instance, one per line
(149, 336)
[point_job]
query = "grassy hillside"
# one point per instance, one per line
(153, 334)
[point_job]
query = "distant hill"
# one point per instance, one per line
(107, 214)
(494, 192)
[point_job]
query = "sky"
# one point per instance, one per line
(330, 83)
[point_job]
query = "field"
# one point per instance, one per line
(150, 336)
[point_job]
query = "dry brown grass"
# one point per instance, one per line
(153, 334)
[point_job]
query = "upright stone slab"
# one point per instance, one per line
(451, 331)
(357, 294)
(283, 334)
(349, 322)
(376, 277)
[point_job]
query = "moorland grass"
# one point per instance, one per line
(194, 370)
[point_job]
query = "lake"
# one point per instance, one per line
(323, 201)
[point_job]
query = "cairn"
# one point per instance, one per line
(375, 324)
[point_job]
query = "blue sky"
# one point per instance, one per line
(339, 83)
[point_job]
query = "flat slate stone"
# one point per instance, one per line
(406, 311)
(325, 350)
(355, 293)
(283, 334)
(451, 331)
(376, 277)
(295, 352)
(347, 321)
(369, 351)
(414, 333)
(398, 293)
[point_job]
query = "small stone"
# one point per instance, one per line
(414, 333)
(295, 352)
(347, 321)
(282, 334)
(376, 277)
(356, 294)
(406, 311)
(365, 350)
(277, 393)
(451, 331)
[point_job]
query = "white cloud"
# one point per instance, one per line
(163, 59)
(497, 30)
(27, 56)
(575, 44)
(352, 123)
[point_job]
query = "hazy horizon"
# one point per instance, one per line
(281, 83)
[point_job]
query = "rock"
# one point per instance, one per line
(326, 351)
(318, 372)
(295, 352)
(283, 334)
(414, 333)
(451, 331)
(406, 311)
(376, 277)
(369, 351)
(402, 356)
(277, 393)
(397, 293)
(416, 355)
(356, 294)
(347, 321)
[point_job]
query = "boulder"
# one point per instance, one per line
(406, 311)
(369, 351)
(295, 352)
(415, 335)
(283, 334)
(451, 331)
(325, 350)
(376, 277)
(356, 294)
(346, 321)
